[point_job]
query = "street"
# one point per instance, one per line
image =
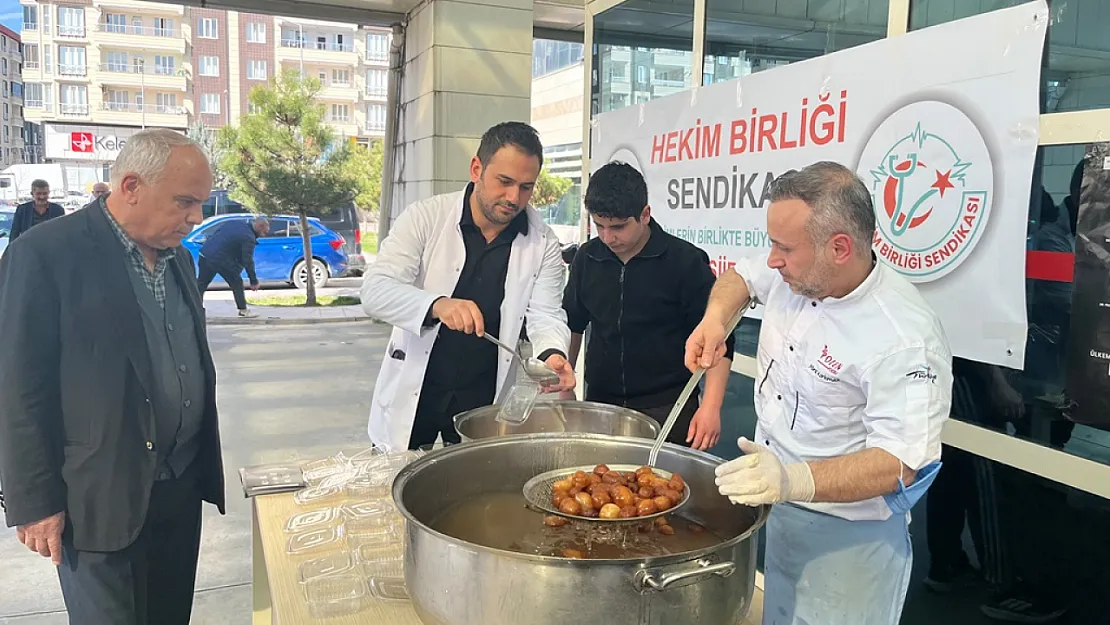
(284, 393)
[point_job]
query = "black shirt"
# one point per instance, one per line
(464, 366)
(640, 314)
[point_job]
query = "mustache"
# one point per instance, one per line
(509, 205)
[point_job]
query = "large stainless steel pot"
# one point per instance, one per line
(559, 416)
(455, 582)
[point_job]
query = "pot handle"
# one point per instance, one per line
(687, 574)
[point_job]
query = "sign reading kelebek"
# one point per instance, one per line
(84, 143)
(945, 143)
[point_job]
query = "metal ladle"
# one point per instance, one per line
(534, 368)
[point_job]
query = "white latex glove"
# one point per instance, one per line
(759, 477)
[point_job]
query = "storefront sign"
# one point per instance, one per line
(940, 127)
(84, 143)
(1089, 338)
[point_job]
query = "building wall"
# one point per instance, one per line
(11, 134)
(209, 85)
(250, 51)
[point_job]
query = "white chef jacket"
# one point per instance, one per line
(840, 375)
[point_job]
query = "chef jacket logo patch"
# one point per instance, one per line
(924, 373)
(931, 181)
(826, 368)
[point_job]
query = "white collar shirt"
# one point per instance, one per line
(836, 376)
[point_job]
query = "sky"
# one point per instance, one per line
(11, 14)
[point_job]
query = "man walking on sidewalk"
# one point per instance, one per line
(35, 212)
(228, 252)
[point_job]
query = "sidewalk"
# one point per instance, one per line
(223, 312)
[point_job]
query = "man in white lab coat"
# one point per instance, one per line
(443, 277)
(854, 382)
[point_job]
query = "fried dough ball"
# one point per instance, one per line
(645, 492)
(627, 512)
(570, 505)
(570, 552)
(552, 520)
(610, 511)
(585, 500)
(662, 503)
(646, 507)
(666, 530)
(562, 486)
(623, 496)
(601, 469)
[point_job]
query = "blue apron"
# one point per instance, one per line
(825, 570)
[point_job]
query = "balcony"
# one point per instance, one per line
(71, 71)
(374, 127)
(70, 32)
(375, 57)
(145, 37)
(73, 110)
(315, 52)
(30, 26)
(140, 7)
(150, 114)
(343, 93)
(148, 76)
(376, 93)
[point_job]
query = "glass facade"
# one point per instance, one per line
(642, 51)
(551, 56)
(1076, 69)
(743, 37)
(992, 543)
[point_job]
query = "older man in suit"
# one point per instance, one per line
(108, 430)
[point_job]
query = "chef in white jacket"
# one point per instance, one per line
(854, 383)
(453, 267)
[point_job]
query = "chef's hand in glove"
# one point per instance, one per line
(566, 374)
(759, 477)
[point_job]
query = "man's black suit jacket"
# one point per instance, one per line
(76, 421)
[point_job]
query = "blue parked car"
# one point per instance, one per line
(6, 217)
(279, 256)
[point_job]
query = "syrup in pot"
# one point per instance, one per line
(502, 521)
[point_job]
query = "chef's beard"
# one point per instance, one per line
(816, 282)
(491, 212)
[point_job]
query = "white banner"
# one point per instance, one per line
(941, 124)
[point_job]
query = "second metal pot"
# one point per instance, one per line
(552, 417)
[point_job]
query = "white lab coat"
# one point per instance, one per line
(421, 260)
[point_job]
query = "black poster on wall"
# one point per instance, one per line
(1088, 366)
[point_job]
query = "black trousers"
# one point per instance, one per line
(436, 410)
(682, 424)
(150, 582)
(207, 270)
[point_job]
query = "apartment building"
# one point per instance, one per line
(97, 71)
(11, 67)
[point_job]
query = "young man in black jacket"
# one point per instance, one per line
(228, 252)
(642, 292)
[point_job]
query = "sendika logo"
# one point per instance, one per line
(931, 182)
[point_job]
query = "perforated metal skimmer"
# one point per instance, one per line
(539, 490)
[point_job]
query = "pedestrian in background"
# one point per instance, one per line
(228, 252)
(100, 189)
(108, 429)
(38, 210)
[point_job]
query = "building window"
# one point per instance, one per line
(71, 61)
(7, 111)
(341, 77)
(115, 62)
(340, 113)
(376, 82)
(256, 70)
(116, 23)
(253, 109)
(210, 103)
(31, 56)
(164, 65)
(7, 92)
(375, 117)
(377, 47)
(17, 90)
(4, 43)
(167, 103)
(209, 66)
(116, 100)
(71, 22)
(32, 95)
(163, 27)
(48, 58)
(30, 18)
(74, 100)
(256, 32)
(4, 66)
(207, 28)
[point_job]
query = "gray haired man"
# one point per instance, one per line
(108, 429)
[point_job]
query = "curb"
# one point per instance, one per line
(263, 321)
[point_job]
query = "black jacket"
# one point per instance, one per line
(232, 245)
(75, 375)
(640, 315)
(24, 217)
